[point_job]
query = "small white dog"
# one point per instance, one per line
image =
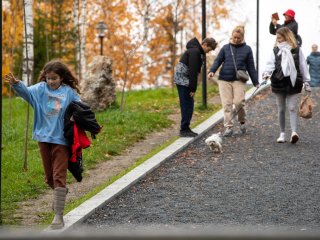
(215, 142)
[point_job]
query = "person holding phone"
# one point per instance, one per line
(289, 22)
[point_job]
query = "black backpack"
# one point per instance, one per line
(299, 40)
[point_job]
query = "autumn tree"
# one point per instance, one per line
(193, 20)
(62, 33)
(145, 11)
(163, 43)
(41, 37)
(54, 34)
(66, 29)
(119, 20)
(131, 61)
(218, 10)
(12, 31)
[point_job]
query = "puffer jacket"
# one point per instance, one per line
(244, 60)
(283, 84)
(189, 66)
(314, 68)
(292, 25)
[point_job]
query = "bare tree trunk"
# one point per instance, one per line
(60, 33)
(146, 19)
(128, 57)
(28, 53)
(124, 85)
(174, 47)
(77, 43)
(47, 13)
(83, 27)
(28, 63)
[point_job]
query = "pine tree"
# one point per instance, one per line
(55, 33)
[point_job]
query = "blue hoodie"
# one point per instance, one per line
(49, 107)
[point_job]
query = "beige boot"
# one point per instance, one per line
(59, 200)
(52, 205)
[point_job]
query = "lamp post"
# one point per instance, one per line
(101, 26)
(204, 67)
(257, 51)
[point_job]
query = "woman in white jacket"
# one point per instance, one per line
(288, 70)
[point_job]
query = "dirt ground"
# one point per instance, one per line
(31, 216)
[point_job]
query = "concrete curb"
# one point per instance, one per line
(83, 211)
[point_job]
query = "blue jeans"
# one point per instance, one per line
(186, 106)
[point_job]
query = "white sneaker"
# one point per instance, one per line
(281, 138)
(294, 137)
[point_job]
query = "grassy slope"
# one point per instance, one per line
(144, 112)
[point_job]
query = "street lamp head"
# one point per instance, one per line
(101, 26)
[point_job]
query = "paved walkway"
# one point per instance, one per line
(254, 186)
(255, 183)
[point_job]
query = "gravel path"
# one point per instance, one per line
(254, 181)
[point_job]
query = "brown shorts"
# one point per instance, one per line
(55, 163)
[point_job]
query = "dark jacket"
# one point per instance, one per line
(85, 120)
(186, 73)
(314, 68)
(244, 60)
(281, 84)
(292, 25)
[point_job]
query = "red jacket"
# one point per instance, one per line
(74, 132)
(80, 141)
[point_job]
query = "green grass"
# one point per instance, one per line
(144, 112)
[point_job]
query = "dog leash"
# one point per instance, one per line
(254, 92)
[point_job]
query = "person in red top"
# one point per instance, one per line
(289, 22)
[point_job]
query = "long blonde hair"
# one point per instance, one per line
(288, 36)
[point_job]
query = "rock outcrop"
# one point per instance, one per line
(98, 88)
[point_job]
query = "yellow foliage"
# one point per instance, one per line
(169, 27)
(118, 41)
(12, 31)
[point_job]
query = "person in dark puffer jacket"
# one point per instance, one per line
(288, 70)
(232, 90)
(186, 79)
